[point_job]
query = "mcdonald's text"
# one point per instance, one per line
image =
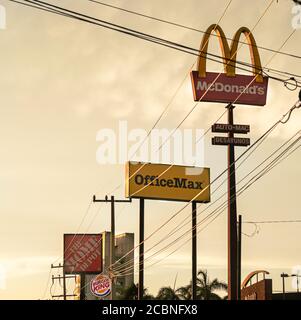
(239, 89)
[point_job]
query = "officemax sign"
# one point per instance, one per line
(167, 182)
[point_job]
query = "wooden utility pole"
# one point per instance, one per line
(63, 278)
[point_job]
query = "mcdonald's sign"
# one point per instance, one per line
(229, 87)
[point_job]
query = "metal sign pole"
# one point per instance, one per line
(141, 250)
(194, 251)
(112, 237)
(232, 215)
(239, 259)
(112, 255)
(82, 286)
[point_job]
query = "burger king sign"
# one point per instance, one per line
(101, 286)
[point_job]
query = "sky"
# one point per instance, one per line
(62, 81)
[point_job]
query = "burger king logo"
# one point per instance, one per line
(101, 286)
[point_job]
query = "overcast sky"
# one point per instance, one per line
(62, 81)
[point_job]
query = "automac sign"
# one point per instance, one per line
(229, 86)
(167, 182)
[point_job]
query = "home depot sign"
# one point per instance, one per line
(82, 253)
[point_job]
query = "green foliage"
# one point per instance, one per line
(131, 293)
(205, 290)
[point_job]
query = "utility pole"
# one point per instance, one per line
(232, 215)
(283, 276)
(112, 238)
(194, 250)
(231, 142)
(239, 258)
(141, 249)
(63, 278)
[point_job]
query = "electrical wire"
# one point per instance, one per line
(128, 29)
(147, 185)
(47, 284)
(173, 45)
(280, 121)
(259, 175)
(260, 141)
(185, 27)
(82, 221)
(193, 108)
(273, 221)
(211, 222)
(188, 217)
(254, 144)
(230, 1)
(65, 15)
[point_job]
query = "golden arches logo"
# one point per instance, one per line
(230, 52)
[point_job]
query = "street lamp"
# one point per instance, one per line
(283, 275)
(297, 276)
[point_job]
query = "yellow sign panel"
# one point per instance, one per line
(167, 182)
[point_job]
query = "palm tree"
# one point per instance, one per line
(206, 288)
(167, 293)
(131, 293)
(185, 293)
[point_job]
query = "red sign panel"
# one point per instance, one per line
(83, 253)
(240, 89)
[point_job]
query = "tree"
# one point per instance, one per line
(206, 288)
(185, 293)
(131, 293)
(167, 293)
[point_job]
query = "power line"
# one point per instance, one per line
(254, 144)
(282, 120)
(144, 36)
(185, 27)
(47, 284)
(217, 211)
(273, 221)
(82, 220)
(196, 104)
(188, 217)
(188, 114)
